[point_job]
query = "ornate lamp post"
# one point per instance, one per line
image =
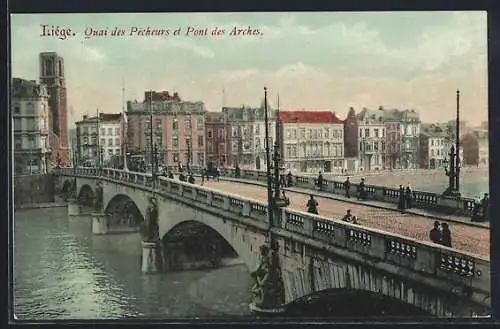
(453, 172)
(268, 291)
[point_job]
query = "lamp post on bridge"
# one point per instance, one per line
(453, 171)
(268, 290)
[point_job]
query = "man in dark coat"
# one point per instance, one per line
(408, 197)
(289, 179)
(362, 190)
(312, 205)
(319, 181)
(435, 233)
(401, 200)
(445, 235)
(347, 188)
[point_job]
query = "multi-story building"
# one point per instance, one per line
(371, 139)
(177, 126)
(52, 76)
(351, 141)
(402, 138)
(312, 141)
(30, 109)
(434, 148)
(246, 140)
(103, 136)
(217, 133)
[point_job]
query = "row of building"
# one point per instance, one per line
(184, 132)
(310, 141)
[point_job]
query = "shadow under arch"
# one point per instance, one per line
(86, 195)
(194, 245)
(125, 209)
(352, 303)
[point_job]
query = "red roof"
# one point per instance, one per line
(309, 117)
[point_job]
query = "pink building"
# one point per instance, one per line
(178, 129)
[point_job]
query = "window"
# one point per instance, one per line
(187, 124)
(110, 152)
(117, 131)
(200, 140)
(175, 143)
(31, 141)
(383, 133)
(110, 142)
(257, 142)
(432, 142)
(201, 159)
(360, 133)
(257, 129)
(367, 132)
(85, 130)
(85, 140)
(16, 108)
(117, 142)
(110, 131)
(175, 125)
(17, 124)
(18, 142)
(327, 133)
(30, 108)
(432, 152)
(175, 157)
(376, 133)
(210, 133)
(117, 151)
(199, 124)
(302, 133)
(103, 131)
(103, 141)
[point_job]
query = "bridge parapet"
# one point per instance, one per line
(374, 246)
(421, 199)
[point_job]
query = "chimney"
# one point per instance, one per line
(85, 117)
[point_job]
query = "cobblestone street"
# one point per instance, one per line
(466, 238)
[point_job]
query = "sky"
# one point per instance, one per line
(327, 61)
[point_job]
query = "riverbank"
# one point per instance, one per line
(40, 205)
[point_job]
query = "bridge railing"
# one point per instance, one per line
(469, 270)
(421, 199)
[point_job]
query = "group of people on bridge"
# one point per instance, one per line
(361, 192)
(441, 234)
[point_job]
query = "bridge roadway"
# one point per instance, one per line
(471, 239)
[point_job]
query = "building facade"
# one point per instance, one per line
(99, 137)
(313, 141)
(177, 126)
(434, 146)
(371, 139)
(217, 132)
(52, 76)
(402, 138)
(30, 109)
(246, 138)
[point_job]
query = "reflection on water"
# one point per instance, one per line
(62, 271)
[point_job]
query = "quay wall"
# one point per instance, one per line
(30, 189)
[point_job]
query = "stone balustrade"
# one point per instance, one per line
(421, 199)
(376, 245)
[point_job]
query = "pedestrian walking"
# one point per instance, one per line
(319, 181)
(408, 196)
(312, 205)
(401, 199)
(445, 235)
(361, 190)
(347, 188)
(435, 233)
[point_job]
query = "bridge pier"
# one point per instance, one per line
(99, 223)
(149, 257)
(73, 208)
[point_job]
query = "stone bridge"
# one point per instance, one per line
(316, 254)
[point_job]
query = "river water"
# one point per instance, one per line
(63, 271)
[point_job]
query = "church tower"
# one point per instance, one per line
(52, 76)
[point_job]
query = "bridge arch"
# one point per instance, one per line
(195, 241)
(234, 241)
(124, 209)
(86, 195)
(347, 302)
